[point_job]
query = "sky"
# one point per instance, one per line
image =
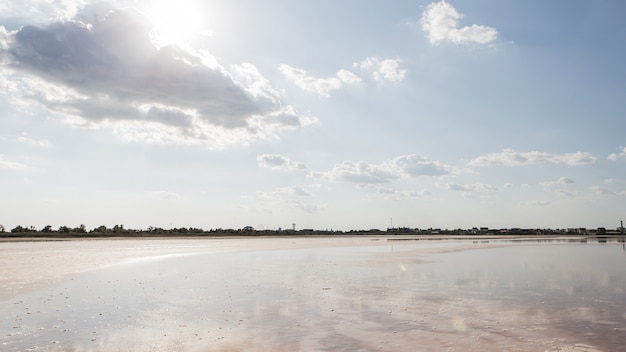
(326, 114)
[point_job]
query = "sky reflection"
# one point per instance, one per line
(531, 296)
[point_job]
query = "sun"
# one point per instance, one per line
(175, 21)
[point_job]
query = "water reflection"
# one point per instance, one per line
(573, 288)
(514, 240)
(502, 295)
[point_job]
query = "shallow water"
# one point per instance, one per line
(483, 295)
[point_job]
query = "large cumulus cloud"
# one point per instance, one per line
(106, 70)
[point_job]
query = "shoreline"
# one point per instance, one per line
(399, 237)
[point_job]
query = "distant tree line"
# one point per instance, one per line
(47, 229)
(82, 229)
(120, 230)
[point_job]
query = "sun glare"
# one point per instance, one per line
(175, 21)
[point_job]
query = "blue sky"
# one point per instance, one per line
(327, 114)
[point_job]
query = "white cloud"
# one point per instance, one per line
(360, 172)
(610, 181)
(320, 86)
(348, 77)
(560, 181)
(26, 139)
(107, 72)
(601, 191)
(293, 191)
(297, 191)
(510, 157)
(383, 69)
(536, 203)
(279, 162)
(256, 84)
(440, 21)
(397, 195)
(387, 70)
(11, 165)
(405, 166)
(475, 187)
(5, 40)
(621, 155)
(40, 10)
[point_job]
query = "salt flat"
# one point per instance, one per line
(36, 262)
(311, 294)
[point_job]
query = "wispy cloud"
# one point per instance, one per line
(475, 187)
(440, 21)
(510, 157)
(560, 181)
(279, 162)
(405, 166)
(563, 194)
(621, 155)
(398, 195)
(292, 191)
(296, 191)
(26, 139)
(320, 86)
(381, 70)
(166, 195)
(536, 203)
(106, 71)
(601, 191)
(11, 165)
(39, 10)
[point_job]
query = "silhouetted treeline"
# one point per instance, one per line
(120, 230)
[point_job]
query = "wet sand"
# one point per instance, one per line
(271, 294)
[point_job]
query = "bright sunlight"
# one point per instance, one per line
(176, 21)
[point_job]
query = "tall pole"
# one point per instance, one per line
(621, 227)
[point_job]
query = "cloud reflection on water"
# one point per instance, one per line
(529, 296)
